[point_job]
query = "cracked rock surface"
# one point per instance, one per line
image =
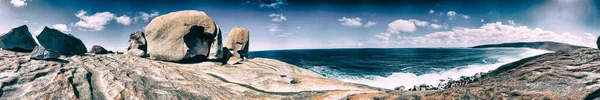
(114, 76)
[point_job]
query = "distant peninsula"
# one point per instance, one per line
(543, 45)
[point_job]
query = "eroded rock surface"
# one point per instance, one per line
(113, 76)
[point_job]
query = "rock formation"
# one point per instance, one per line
(183, 36)
(42, 53)
(137, 40)
(18, 39)
(63, 43)
(97, 49)
(113, 76)
(136, 52)
(237, 43)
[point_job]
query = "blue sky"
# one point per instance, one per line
(304, 24)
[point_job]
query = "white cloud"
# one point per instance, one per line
(61, 27)
(271, 4)
(435, 26)
(94, 22)
(274, 28)
(419, 23)
(464, 16)
(145, 16)
(482, 20)
(511, 22)
(351, 22)
(431, 11)
(125, 20)
(383, 36)
(277, 17)
(451, 13)
(19, 3)
(492, 33)
(370, 23)
(401, 25)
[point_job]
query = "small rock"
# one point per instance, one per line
(294, 82)
(136, 52)
(18, 39)
(282, 75)
(96, 49)
(42, 53)
(400, 88)
(234, 60)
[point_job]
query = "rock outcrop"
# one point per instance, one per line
(63, 43)
(137, 40)
(569, 75)
(42, 53)
(113, 76)
(598, 42)
(183, 36)
(544, 45)
(97, 49)
(237, 44)
(18, 39)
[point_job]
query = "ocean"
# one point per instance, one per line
(393, 67)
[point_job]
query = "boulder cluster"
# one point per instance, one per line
(189, 36)
(52, 43)
(183, 36)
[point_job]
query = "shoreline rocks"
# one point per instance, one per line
(18, 39)
(63, 43)
(183, 36)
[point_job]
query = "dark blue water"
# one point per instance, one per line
(374, 63)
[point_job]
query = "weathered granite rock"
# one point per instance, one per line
(183, 36)
(97, 49)
(137, 40)
(136, 52)
(18, 39)
(63, 43)
(237, 44)
(42, 53)
(124, 77)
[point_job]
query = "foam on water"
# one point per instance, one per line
(410, 79)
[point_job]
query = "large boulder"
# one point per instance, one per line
(42, 53)
(63, 43)
(183, 36)
(96, 49)
(137, 40)
(18, 39)
(598, 42)
(237, 43)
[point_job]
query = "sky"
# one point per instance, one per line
(317, 24)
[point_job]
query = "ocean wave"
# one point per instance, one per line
(410, 79)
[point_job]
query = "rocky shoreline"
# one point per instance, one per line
(181, 55)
